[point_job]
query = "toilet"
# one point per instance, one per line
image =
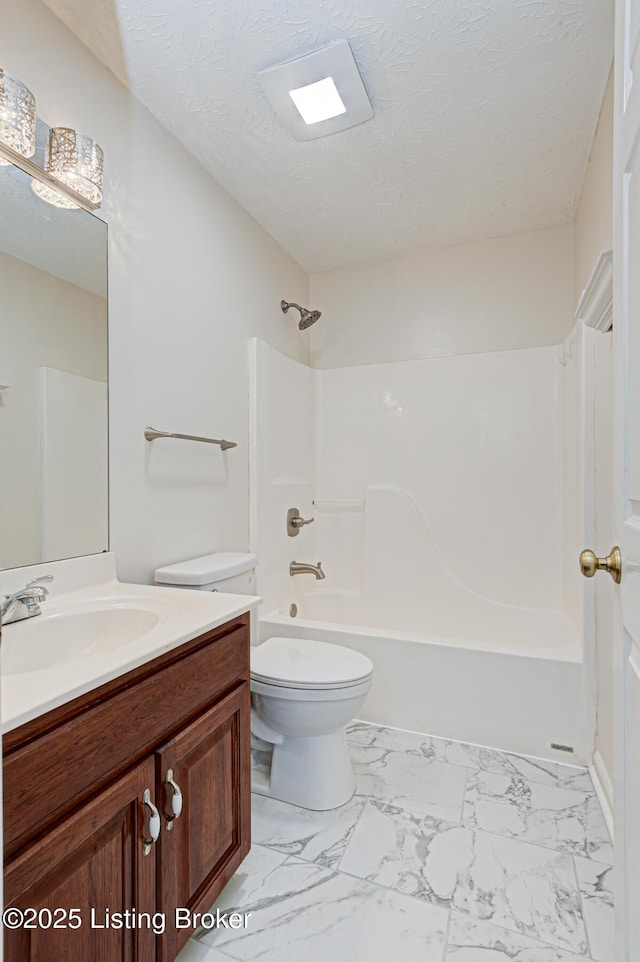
(303, 693)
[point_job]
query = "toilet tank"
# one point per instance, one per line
(230, 571)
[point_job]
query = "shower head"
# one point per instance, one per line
(307, 318)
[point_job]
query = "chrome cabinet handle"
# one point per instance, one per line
(152, 830)
(173, 799)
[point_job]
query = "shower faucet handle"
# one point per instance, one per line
(300, 522)
(295, 521)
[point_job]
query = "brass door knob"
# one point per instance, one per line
(590, 563)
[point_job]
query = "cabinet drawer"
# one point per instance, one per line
(60, 769)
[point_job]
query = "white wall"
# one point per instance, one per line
(493, 295)
(191, 277)
(46, 322)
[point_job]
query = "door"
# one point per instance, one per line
(204, 790)
(91, 862)
(626, 340)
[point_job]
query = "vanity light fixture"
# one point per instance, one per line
(318, 94)
(17, 117)
(76, 161)
(73, 168)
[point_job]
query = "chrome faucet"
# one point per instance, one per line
(24, 603)
(299, 568)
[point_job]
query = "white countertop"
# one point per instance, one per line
(174, 616)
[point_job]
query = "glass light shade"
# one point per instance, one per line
(17, 116)
(77, 161)
(52, 196)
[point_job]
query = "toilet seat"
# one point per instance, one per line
(286, 693)
(302, 664)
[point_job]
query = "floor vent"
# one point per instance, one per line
(562, 748)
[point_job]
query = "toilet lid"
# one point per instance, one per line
(301, 663)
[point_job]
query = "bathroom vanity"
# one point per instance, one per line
(81, 786)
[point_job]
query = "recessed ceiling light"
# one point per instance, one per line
(319, 94)
(318, 101)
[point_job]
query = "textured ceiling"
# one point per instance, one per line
(485, 111)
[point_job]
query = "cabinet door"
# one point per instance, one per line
(210, 762)
(93, 862)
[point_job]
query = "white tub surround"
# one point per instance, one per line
(100, 627)
(409, 585)
(448, 497)
(281, 435)
(458, 464)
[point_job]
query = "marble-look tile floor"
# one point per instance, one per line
(446, 853)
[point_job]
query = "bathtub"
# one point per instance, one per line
(518, 683)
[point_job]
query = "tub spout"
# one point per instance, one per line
(298, 568)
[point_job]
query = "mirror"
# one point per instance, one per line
(53, 378)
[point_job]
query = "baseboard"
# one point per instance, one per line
(604, 789)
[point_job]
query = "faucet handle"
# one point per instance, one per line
(295, 521)
(37, 581)
(300, 522)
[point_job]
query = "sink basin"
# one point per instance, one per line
(49, 640)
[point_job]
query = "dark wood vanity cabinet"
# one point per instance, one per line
(198, 855)
(76, 822)
(90, 862)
